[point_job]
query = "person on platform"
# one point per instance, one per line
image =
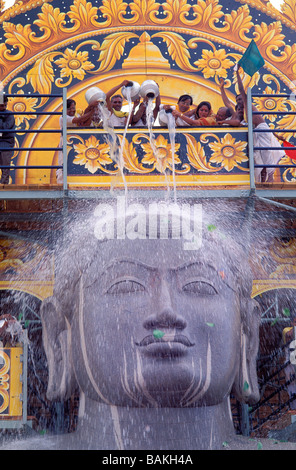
(117, 117)
(184, 107)
(74, 120)
(261, 139)
(203, 116)
(7, 138)
(140, 117)
(237, 112)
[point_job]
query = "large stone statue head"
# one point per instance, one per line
(145, 317)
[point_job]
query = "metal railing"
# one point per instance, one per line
(62, 131)
(250, 114)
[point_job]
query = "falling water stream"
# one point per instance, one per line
(172, 134)
(150, 122)
(116, 153)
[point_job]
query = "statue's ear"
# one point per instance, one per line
(245, 386)
(57, 344)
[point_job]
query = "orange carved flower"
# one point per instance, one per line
(270, 103)
(74, 64)
(20, 104)
(228, 152)
(162, 158)
(92, 154)
(214, 63)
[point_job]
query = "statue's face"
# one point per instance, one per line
(156, 325)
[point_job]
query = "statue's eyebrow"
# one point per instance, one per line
(227, 280)
(193, 264)
(131, 262)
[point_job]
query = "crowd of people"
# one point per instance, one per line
(185, 115)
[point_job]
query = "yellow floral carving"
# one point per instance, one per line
(196, 155)
(214, 63)
(174, 11)
(130, 156)
(177, 49)
(20, 104)
(207, 13)
(92, 154)
(289, 174)
(284, 253)
(113, 10)
(269, 38)
(19, 37)
(144, 10)
(4, 381)
(82, 12)
(228, 152)
(51, 20)
(74, 64)
(288, 61)
(288, 8)
(163, 158)
(112, 49)
(270, 103)
(288, 121)
(239, 22)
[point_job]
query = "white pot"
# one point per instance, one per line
(95, 94)
(163, 116)
(132, 90)
(149, 88)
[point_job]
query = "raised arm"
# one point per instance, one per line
(225, 99)
(191, 122)
(86, 118)
(241, 88)
(157, 106)
(257, 118)
(113, 90)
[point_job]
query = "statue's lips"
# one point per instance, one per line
(167, 339)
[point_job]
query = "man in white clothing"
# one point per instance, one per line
(262, 139)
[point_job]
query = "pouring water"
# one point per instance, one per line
(112, 139)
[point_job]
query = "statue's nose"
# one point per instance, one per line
(165, 314)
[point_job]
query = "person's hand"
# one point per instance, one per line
(125, 83)
(94, 105)
(136, 102)
(91, 107)
(176, 113)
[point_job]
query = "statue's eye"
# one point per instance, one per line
(199, 288)
(126, 286)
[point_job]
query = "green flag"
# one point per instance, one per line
(252, 60)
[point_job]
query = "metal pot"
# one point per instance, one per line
(149, 88)
(132, 90)
(95, 94)
(163, 116)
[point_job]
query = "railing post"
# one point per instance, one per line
(245, 427)
(64, 134)
(25, 378)
(250, 138)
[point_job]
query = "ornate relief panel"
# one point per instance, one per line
(186, 46)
